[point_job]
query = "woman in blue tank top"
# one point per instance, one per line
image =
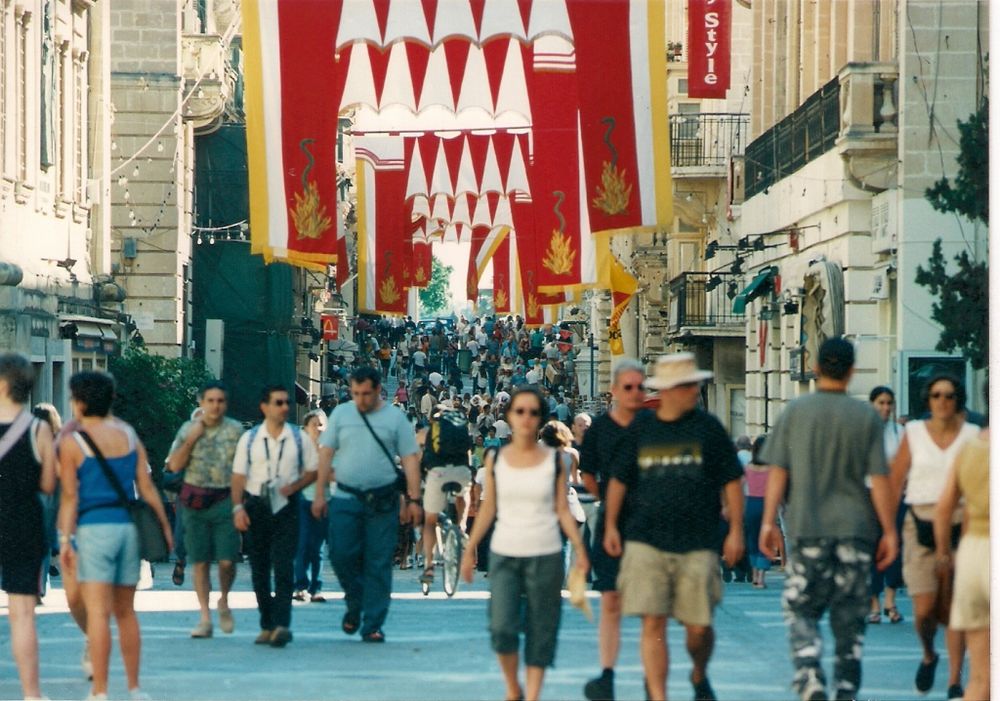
(98, 540)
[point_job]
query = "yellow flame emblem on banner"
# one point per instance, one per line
(388, 292)
(501, 300)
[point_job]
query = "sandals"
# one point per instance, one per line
(351, 622)
(178, 576)
(376, 636)
(874, 617)
(894, 615)
(428, 576)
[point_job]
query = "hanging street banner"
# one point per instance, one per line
(709, 47)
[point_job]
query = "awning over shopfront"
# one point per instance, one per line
(761, 284)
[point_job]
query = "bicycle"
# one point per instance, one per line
(449, 542)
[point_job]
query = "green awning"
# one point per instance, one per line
(758, 286)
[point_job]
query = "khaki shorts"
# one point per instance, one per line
(970, 604)
(434, 498)
(685, 586)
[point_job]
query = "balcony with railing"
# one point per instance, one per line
(702, 303)
(702, 143)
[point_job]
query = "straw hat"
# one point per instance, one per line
(676, 369)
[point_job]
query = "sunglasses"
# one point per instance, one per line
(521, 411)
(942, 395)
(629, 388)
(279, 402)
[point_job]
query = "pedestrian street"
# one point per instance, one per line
(436, 649)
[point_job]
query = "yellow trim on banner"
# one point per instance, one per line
(491, 250)
(656, 24)
(362, 211)
(256, 152)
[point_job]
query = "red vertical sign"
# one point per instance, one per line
(331, 327)
(709, 47)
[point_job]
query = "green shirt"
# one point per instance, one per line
(211, 463)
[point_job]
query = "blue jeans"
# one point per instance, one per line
(312, 533)
(361, 544)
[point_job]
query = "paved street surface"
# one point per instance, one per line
(437, 649)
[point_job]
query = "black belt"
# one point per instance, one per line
(367, 496)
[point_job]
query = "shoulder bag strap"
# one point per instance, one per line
(392, 461)
(17, 428)
(106, 468)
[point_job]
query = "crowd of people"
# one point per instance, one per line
(651, 501)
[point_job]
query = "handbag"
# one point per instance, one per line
(925, 532)
(152, 541)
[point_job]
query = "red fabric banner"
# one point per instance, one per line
(709, 25)
(421, 263)
(502, 288)
(308, 28)
(529, 262)
(601, 31)
(392, 246)
(554, 174)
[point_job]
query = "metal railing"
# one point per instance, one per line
(707, 139)
(804, 135)
(703, 299)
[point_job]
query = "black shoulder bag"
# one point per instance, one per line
(152, 541)
(400, 475)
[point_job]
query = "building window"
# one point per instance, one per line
(80, 125)
(60, 124)
(21, 28)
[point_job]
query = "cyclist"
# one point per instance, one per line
(445, 459)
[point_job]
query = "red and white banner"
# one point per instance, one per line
(709, 25)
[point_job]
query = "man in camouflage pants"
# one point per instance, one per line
(822, 449)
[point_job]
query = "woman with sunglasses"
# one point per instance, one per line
(928, 448)
(525, 493)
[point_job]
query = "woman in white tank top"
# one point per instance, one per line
(926, 452)
(525, 493)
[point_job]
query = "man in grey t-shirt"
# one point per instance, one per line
(821, 449)
(365, 507)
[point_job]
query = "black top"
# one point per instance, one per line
(601, 446)
(22, 532)
(674, 472)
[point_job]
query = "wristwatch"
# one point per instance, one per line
(412, 500)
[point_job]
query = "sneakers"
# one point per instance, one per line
(956, 692)
(97, 697)
(202, 630)
(138, 694)
(264, 638)
(85, 663)
(300, 595)
(811, 687)
(281, 637)
(703, 690)
(317, 598)
(226, 621)
(925, 675)
(601, 688)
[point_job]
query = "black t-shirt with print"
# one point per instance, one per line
(674, 472)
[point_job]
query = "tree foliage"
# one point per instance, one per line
(962, 307)
(970, 195)
(436, 297)
(156, 395)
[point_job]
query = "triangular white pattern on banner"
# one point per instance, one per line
(440, 183)
(549, 17)
(475, 90)
(358, 23)
(406, 22)
(517, 174)
(421, 208)
(437, 82)
(481, 217)
(454, 19)
(501, 18)
(416, 179)
(359, 88)
(398, 88)
(503, 216)
(513, 93)
(466, 177)
(492, 181)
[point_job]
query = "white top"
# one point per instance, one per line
(526, 525)
(502, 427)
(929, 464)
(419, 358)
(274, 460)
(533, 376)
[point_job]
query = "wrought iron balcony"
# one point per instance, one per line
(706, 140)
(704, 301)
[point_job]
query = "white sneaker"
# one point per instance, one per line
(138, 694)
(96, 697)
(85, 663)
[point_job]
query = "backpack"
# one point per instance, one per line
(448, 441)
(296, 434)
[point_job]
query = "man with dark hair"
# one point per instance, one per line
(821, 449)
(273, 463)
(203, 449)
(358, 450)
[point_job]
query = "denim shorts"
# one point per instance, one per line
(109, 553)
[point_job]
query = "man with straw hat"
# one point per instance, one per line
(682, 459)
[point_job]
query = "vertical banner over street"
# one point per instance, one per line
(709, 46)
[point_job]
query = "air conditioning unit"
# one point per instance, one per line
(736, 180)
(884, 222)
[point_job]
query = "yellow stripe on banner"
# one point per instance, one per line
(362, 211)
(656, 26)
(494, 245)
(254, 100)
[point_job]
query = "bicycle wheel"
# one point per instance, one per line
(452, 551)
